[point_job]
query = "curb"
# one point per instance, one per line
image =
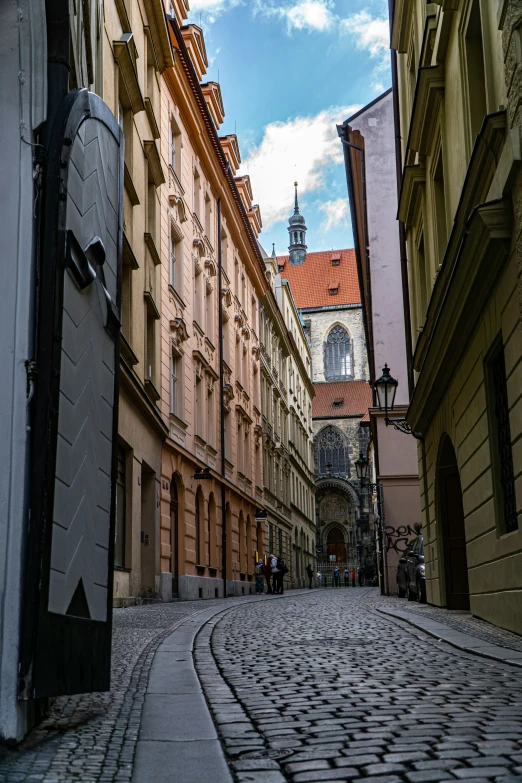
(446, 634)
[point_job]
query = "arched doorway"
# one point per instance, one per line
(336, 545)
(452, 529)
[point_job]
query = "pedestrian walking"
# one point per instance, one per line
(273, 563)
(353, 577)
(259, 571)
(346, 577)
(319, 579)
(360, 577)
(336, 577)
(282, 570)
(268, 576)
(310, 572)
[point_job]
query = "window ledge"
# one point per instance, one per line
(151, 390)
(122, 568)
(177, 297)
(178, 421)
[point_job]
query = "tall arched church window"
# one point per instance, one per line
(331, 449)
(338, 354)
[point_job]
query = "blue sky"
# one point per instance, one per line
(289, 70)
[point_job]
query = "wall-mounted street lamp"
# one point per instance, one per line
(386, 388)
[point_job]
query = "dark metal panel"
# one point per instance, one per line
(66, 641)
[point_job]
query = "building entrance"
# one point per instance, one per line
(451, 513)
(336, 545)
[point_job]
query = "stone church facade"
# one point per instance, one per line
(325, 287)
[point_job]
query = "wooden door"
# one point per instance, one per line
(336, 545)
(454, 538)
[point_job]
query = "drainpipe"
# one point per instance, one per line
(221, 405)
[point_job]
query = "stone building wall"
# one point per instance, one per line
(321, 323)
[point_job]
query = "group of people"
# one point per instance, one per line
(275, 568)
(273, 571)
(347, 575)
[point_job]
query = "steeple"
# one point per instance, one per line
(273, 250)
(297, 234)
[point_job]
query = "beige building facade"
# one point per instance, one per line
(286, 395)
(459, 95)
(212, 277)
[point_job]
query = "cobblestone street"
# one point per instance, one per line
(306, 688)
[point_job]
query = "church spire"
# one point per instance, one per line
(273, 250)
(297, 234)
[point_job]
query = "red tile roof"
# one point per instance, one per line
(356, 398)
(311, 281)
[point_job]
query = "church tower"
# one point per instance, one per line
(297, 235)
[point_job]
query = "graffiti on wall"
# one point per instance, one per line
(399, 539)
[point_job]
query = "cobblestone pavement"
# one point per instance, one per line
(324, 688)
(92, 737)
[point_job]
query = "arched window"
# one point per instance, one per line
(331, 449)
(338, 354)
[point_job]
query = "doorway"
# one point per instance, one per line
(174, 535)
(336, 545)
(452, 528)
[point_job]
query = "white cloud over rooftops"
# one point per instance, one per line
(302, 149)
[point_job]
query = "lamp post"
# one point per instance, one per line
(386, 388)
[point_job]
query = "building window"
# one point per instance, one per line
(198, 296)
(502, 454)
(150, 343)
(331, 452)
(175, 148)
(208, 218)
(126, 299)
(210, 417)
(209, 313)
(198, 404)
(175, 382)
(121, 491)
(174, 263)
(338, 355)
(440, 207)
(196, 195)
(476, 81)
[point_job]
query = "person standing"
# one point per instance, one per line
(319, 579)
(259, 571)
(336, 577)
(268, 575)
(282, 570)
(346, 577)
(353, 577)
(310, 572)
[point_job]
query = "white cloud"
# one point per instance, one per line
(210, 9)
(300, 149)
(336, 213)
(301, 15)
(372, 35)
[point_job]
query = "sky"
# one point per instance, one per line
(289, 71)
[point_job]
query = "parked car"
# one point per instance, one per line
(411, 578)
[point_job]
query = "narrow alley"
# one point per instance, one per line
(313, 686)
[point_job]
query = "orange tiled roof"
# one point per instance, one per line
(356, 397)
(311, 281)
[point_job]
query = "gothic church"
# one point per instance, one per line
(326, 290)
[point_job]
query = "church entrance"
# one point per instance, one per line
(336, 545)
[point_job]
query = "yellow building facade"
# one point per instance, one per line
(458, 94)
